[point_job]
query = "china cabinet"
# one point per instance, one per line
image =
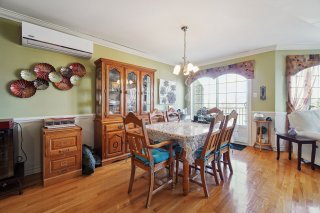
(120, 88)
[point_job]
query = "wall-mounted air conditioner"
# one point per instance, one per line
(44, 38)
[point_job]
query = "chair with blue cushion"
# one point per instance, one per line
(208, 154)
(150, 158)
(227, 131)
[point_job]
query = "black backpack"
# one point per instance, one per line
(88, 161)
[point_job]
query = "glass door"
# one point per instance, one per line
(99, 92)
(114, 91)
(146, 91)
(132, 96)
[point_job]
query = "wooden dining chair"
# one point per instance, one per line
(214, 110)
(156, 116)
(208, 153)
(225, 139)
(150, 158)
(172, 116)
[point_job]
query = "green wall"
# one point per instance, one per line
(264, 75)
(78, 100)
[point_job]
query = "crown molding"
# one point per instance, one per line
(18, 17)
(298, 47)
(240, 55)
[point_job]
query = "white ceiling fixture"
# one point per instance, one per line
(186, 67)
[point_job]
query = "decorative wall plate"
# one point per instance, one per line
(66, 72)
(75, 80)
(65, 84)
(55, 77)
(43, 70)
(78, 69)
(28, 75)
(40, 84)
(22, 88)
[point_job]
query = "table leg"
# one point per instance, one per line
(290, 149)
(278, 147)
(313, 155)
(299, 155)
(185, 174)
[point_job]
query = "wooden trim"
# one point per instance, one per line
(118, 63)
(60, 178)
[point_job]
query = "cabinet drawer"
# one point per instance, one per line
(62, 144)
(60, 166)
(114, 127)
(63, 163)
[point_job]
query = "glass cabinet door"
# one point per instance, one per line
(131, 92)
(146, 93)
(99, 92)
(114, 92)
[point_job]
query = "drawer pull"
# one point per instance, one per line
(64, 163)
(64, 170)
(64, 150)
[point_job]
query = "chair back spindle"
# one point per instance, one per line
(172, 116)
(156, 116)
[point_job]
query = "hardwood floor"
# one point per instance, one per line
(259, 183)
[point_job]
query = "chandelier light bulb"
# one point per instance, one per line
(177, 69)
(195, 69)
(190, 67)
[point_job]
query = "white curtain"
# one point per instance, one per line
(300, 89)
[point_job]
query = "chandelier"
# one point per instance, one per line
(186, 67)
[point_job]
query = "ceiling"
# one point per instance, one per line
(216, 28)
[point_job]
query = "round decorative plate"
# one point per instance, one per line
(75, 80)
(65, 84)
(55, 77)
(28, 75)
(66, 72)
(78, 69)
(22, 88)
(43, 69)
(40, 84)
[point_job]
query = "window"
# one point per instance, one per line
(227, 92)
(298, 82)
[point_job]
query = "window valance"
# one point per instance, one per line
(246, 69)
(296, 63)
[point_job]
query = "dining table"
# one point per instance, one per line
(190, 136)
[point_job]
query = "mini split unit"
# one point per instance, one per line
(44, 38)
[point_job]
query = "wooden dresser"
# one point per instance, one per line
(120, 88)
(62, 154)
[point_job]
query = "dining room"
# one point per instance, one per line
(180, 106)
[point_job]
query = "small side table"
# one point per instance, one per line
(299, 140)
(259, 138)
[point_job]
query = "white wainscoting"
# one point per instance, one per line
(278, 125)
(32, 138)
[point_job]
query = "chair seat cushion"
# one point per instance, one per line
(159, 155)
(224, 146)
(197, 153)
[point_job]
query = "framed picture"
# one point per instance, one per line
(167, 92)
